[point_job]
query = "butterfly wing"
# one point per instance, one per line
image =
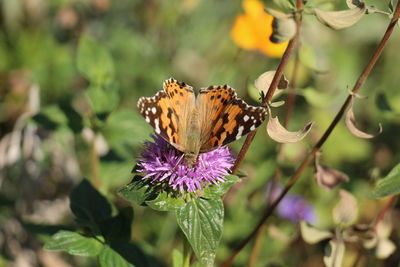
(169, 110)
(234, 121)
(211, 102)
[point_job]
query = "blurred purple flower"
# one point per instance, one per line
(293, 207)
(163, 164)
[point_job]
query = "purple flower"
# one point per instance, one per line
(293, 207)
(163, 164)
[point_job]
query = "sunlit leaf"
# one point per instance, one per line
(177, 258)
(312, 235)
(345, 212)
(102, 101)
(74, 244)
(217, 190)
(385, 248)
(390, 185)
(350, 123)
(166, 202)
(94, 62)
(201, 221)
(263, 82)
(340, 19)
(278, 133)
(138, 191)
(109, 257)
(334, 253)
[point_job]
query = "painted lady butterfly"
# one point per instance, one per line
(196, 124)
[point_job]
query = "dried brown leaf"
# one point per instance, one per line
(283, 27)
(312, 235)
(334, 254)
(278, 133)
(263, 82)
(350, 123)
(340, 19)
(329, 178)
(345, 211)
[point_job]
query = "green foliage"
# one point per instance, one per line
(91, 61)
(201, 220)
(94, 62)
(74, 244)
(109, 257)
(390, 185)
(109, 236)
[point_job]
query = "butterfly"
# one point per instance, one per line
(199, 123)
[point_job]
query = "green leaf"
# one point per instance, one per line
(138, 191)
(103, 101)
(166, 202)
(177, 258)
(125, 129)
(88, 205)
(201, 221)
(389, 185)
(94, 62)
(109, 257)
(50, 118)
(74, 244)
(217, 190)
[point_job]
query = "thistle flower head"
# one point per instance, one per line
(164, 165)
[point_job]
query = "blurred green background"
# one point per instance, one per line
(51, 113)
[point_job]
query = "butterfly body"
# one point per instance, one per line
(196, 124)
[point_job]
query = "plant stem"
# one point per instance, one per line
(274, 84)
(361, 80)
(385, 209)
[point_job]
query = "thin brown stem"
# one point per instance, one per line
(361, 80)
(272, 88)
(388, 205)
(292, 90)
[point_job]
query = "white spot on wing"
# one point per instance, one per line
(252, 128)
(240, 131)
(157, 126)
(154, 110)
(246, 118)
(147, 119)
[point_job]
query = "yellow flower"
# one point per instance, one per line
(252, 30)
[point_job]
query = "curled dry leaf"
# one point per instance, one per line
(334, 254)
(312, 235)
(328, 178)
(350, 123)
(278, 133)
(263, 82)
(283, 26)
(345, 212)
(340, 19)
